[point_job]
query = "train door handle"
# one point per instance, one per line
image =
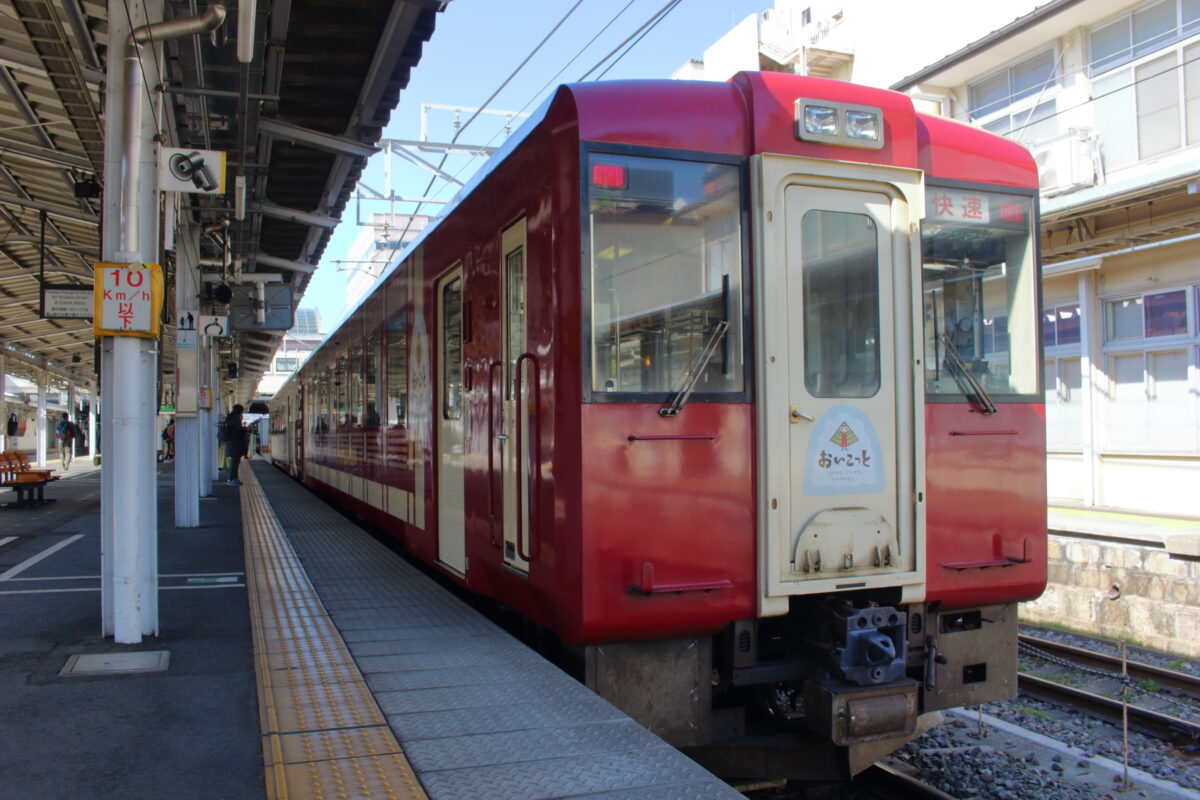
(797, 415)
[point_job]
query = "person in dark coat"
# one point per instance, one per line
(235, 442)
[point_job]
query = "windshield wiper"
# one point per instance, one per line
(967, 381)
(706, 355)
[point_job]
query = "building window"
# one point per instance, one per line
(1060, 326)
(1033, 124)
(1064, 404)
(308, 321)
(1148, 403)
(1029, 77)
(1146, 30)
(1146, 86)
(287, 364)
(1148, 316)
(1151, 406)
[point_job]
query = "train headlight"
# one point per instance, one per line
(862, 125)
(821, 120)
(842, 124)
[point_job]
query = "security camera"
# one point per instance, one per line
(190, 166)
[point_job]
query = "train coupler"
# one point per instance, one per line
(849, 715)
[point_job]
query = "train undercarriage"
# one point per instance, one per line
(818, 694)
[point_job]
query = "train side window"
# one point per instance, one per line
(841, 304)
(665, 271)
(452, 350)
(371, 371)
(355, 377)
(323, 411)
(980, 292)
(514, 283)
(396, 379)
(341, 388)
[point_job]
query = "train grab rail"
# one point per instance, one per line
(536, 490)
(492, 369)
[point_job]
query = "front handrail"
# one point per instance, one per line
(491, 450)
(535, 492)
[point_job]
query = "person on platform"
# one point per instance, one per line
(168, 437)
(235, 442)
(64, 431)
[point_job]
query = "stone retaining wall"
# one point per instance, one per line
(1159, 595)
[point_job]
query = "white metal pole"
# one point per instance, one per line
(129, 527)
(206, 433)
(1091, 392)
(41, 378)
(91, 424)
(3, 405)
(71, 394)
(187, 452)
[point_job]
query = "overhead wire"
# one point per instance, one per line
(663, 15)
(654, 20)
(545, 85)
(643, 30)
(478, 111)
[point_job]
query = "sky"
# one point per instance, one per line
(476, 46)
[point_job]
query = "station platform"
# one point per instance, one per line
(298, 658)
(1177, 535)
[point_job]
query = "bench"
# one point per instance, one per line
(23, 478)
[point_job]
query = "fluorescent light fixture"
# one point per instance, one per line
(239, 197)
(245, 31)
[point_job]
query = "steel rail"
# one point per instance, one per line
(1154, 723)
(889, 782)
(1176, 681)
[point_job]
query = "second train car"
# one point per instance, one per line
(736, 389)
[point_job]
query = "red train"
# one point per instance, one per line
(735, 388)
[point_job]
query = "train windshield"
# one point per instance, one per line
(980, 294)
(666, 272)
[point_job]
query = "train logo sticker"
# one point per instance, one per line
(843, 455)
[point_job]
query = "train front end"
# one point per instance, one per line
(891, 459)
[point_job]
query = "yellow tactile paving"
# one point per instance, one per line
(324, 737)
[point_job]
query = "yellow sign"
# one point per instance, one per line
(129, 299)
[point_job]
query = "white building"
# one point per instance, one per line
(1107, 96)
(376, 246)
(294, 349)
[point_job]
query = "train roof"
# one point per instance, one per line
(753, 112)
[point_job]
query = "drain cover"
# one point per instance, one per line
(116, 663)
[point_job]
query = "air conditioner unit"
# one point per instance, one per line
(1068, 161)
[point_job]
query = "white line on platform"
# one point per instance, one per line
(7, 539)
(29, 562)
(172, 575)
(97, 588)
(206, 586)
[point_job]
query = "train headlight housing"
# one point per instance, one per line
(841, 124)
(821, 120)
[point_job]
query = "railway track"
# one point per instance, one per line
(886, 783)
(1103, 667)
(1179, 683)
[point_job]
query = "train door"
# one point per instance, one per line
(450, 415)
(838, 425)
(519, 375)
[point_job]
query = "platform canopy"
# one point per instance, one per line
(298, 122)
